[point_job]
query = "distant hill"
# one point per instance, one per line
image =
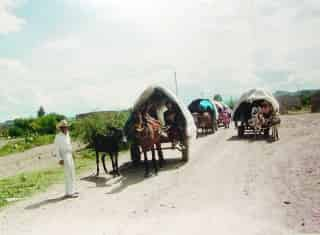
(294, 100)
(83, 115)
(6, 123)
(297, 93)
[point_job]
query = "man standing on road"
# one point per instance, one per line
(63, 150)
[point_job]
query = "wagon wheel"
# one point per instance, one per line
(214, 126)
(135, 154)
(240, 131)
(185, 150)
(266, 132)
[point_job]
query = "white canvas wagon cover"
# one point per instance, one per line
(169, 95)
(254, 95)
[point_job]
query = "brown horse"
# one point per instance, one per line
(147, 133)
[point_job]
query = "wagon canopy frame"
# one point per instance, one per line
(167, 95)
(193, 106)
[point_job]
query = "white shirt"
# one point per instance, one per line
(62, 144)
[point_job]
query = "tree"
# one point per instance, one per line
(305, 99)
(218, 97)
(231, 103)
(41, 112)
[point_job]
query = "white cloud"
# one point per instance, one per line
(218, 46)
(11, 65)
(9, 22)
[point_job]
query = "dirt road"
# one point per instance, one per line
(229, 186)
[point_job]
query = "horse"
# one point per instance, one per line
(108, 144)
(147, 133)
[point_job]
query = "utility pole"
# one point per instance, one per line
(176, 82)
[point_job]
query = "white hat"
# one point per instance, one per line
(62, 123)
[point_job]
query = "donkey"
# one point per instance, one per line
(110, 144)
(147, 133)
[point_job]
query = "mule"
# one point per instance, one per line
(108, 144)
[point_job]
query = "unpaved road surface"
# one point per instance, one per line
(229, 186)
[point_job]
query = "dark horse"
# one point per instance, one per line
(147, 134)
(108, 144)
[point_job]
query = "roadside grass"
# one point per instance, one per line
(21, 145)
(24, 185)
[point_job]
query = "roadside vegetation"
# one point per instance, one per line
(23, 144)
(27, 133)
(85, 128)
(24, 185)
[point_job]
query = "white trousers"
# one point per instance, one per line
(69, 174)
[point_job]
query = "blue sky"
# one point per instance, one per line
(74, 56)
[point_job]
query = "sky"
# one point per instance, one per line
(75, 56)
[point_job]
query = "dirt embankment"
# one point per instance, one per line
(33, 159)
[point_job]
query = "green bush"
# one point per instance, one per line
(26, 184)
(15, 131)
(25, 144)
(33, 126)
(46, 124)
(87, 127)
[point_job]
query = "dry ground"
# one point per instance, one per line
(229, 186)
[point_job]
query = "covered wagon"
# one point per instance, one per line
(155, 102)
(256, 111)
(224, 114)
(205, 115)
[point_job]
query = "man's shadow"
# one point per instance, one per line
(45, 202)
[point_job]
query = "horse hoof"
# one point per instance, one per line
(146, 175)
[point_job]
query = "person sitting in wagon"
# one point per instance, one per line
(269, 114)
(173, 121)
(149, 113)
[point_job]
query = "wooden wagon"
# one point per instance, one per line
(205, 115)
(158, 97)
(247, 112)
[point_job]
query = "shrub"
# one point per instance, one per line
(87, 127)
(32, 126)
(46, 124)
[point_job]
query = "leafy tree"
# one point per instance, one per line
(41, 112)
(15, 131)
(305, 100)
(46, 124)
(30, 126)
(218, 97)
(231, 103)
(87, 127)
